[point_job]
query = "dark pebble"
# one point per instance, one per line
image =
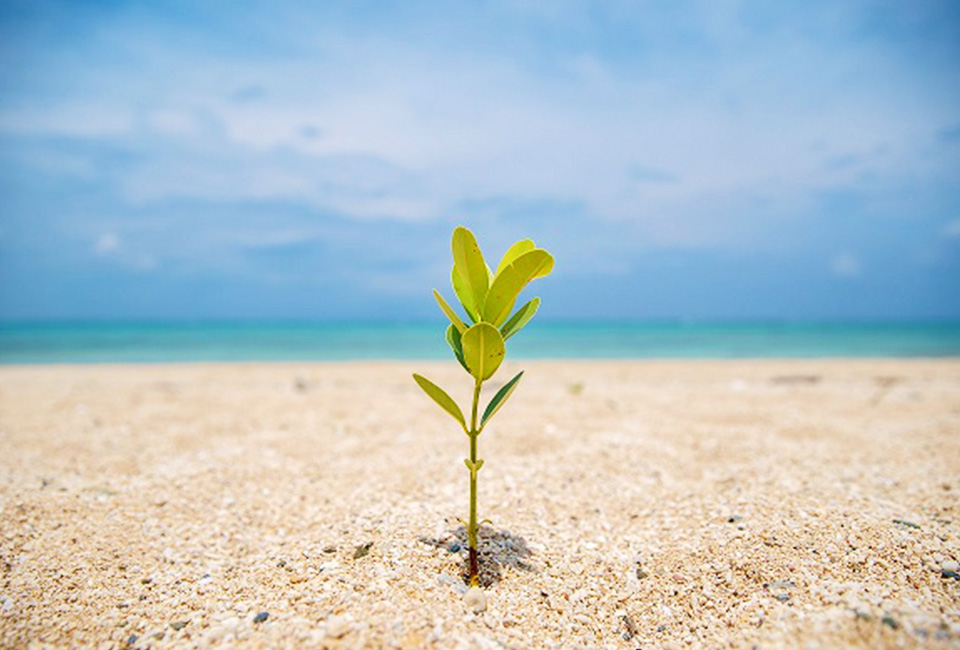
(362, 550)
(950, 574)
(890, 622)
(734, 519)
(454, 548)
(178, 625)
(783, 598)
(131, 639)
(261, 617)
(908, 524)
(330, 549)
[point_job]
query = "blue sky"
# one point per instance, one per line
(715, 159)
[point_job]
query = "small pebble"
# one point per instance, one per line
(475, 600)
(950, 574)
(362, 550)
(261, 617)
(890, 622)
(454, 548)
(178, 625)
(131, 639)
(950, 565)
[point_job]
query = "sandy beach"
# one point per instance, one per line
(798, 504)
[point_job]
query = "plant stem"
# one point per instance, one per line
(472, 526)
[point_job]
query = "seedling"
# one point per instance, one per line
(488, 299)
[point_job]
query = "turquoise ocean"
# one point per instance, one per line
(102, 342)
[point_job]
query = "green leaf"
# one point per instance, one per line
(440, 396)
(511, 280)
(452, 315)
(502, 295)
(514, 252)
(463, 293)
(468, 264)
(483, 350)
(520, 318)
(498, 400)
(534, 264)
(453, 339)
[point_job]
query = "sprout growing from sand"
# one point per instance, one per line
(488, 299)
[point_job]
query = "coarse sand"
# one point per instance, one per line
(640, 504)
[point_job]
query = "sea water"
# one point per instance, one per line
(98, 342)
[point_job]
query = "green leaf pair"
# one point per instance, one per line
(447, 403)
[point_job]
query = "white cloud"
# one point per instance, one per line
(845, 265)
(71, 116)
(173, 122)
(110, 245)
(765, 115)
(107, 243)
(145, 263)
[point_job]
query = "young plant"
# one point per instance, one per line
(488, 299)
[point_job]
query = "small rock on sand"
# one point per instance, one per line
(362, 551)
(475, 600)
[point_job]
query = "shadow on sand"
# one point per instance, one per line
(499, 550)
